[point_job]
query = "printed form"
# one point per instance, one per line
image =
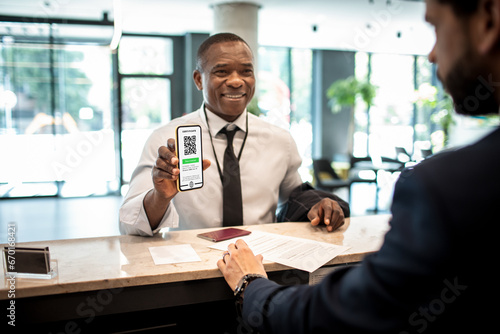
(299, 253)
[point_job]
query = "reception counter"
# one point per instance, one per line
(114, 280)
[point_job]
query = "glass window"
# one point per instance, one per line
(57, 118)
(411, 110)
(301, 104)
(27, 79)
(146, 66)
(145, 106)
(284, 96)
(273, 85)
(391, 116)
(83, 108)
(301, 84)
(424, 127)
(360, 140)
(146, 55)
(25, 92)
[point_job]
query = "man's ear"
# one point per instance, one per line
(488, 26)
(197, 79)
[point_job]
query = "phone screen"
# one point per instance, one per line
(189, 152)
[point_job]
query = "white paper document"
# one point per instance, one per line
(303, 254)
(318, 275)
(173, 254)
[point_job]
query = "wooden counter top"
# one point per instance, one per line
(124, 261)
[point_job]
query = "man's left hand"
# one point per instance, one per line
(239, 261)
(328, 212)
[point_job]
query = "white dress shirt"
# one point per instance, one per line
(268, 165)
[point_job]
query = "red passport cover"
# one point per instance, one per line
(224, 234)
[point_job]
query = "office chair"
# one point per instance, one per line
(361, 171)
(326, 178)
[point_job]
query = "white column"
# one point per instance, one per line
(240, 18)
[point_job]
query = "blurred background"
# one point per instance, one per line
(83, 84)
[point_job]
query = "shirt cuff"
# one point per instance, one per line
(134, 220)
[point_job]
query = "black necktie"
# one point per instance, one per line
(231, 185)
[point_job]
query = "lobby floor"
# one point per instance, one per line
(38, 219)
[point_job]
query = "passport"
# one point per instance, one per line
(224, 234)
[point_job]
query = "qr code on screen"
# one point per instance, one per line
(189, 145)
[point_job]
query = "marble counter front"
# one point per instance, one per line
(125, 261)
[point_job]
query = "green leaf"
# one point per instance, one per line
(345, 92)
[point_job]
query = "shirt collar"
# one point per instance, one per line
(217, 123)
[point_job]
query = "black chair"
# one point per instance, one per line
(361, 171)
(326, 177)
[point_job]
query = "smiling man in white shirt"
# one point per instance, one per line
(268, 156)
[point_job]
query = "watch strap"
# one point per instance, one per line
(240, 288)
(243, 283)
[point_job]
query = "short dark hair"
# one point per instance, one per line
(462, 7)
(215, 39)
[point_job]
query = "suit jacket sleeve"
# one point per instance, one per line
(377, 296)
(302, 199)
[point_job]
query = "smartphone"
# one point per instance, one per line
(190, 154)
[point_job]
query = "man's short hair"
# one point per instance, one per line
(462, 7)
(215, 39)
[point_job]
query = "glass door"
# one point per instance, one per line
(56, 129)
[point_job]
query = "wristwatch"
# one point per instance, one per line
(240, 288)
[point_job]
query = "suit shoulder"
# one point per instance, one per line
(484, 150)
(469, 164)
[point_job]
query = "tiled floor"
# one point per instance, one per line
(39, 219)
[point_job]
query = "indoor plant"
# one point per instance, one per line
(345, 93)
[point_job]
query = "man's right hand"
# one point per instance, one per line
(165, 174)
(165, 171)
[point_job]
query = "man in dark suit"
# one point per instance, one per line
(435, 270)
